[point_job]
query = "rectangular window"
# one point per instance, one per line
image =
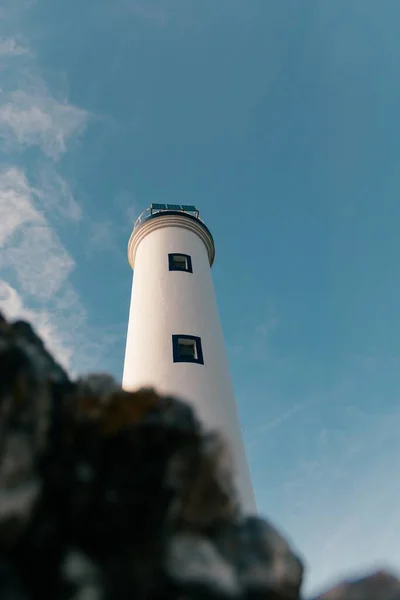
(187, 348)
(180, 262)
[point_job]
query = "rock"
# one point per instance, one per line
(263, 559)
(246, 558)
(112, 495)
(195, 565)
(25, 395)
(202, 473)
(11, 587)
(379, 586)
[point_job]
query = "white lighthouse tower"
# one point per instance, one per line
(175, 342)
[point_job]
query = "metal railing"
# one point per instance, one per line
(157, 208)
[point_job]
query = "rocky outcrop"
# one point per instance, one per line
(107, 494)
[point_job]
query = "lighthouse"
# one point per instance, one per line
(175, 342)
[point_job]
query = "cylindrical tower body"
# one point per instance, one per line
(175, 341)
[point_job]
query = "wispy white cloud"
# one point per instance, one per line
(11, 47)
(11, 8)
(36, 278)
(56, 197)
(33, 256)
(101, 237)
(254, 336)
(39, 260)
(267, 325)
(30, 114)
(279, 420)
(36, 266)
(105, 235)
(13, 306)
(128, 206)
(33, 117)
(16, 205)
(340, 505)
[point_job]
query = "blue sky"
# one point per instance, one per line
(279, 120)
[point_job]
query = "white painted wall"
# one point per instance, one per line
(164, 303)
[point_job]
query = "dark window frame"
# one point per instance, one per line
(186, 359)
(172, 266)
